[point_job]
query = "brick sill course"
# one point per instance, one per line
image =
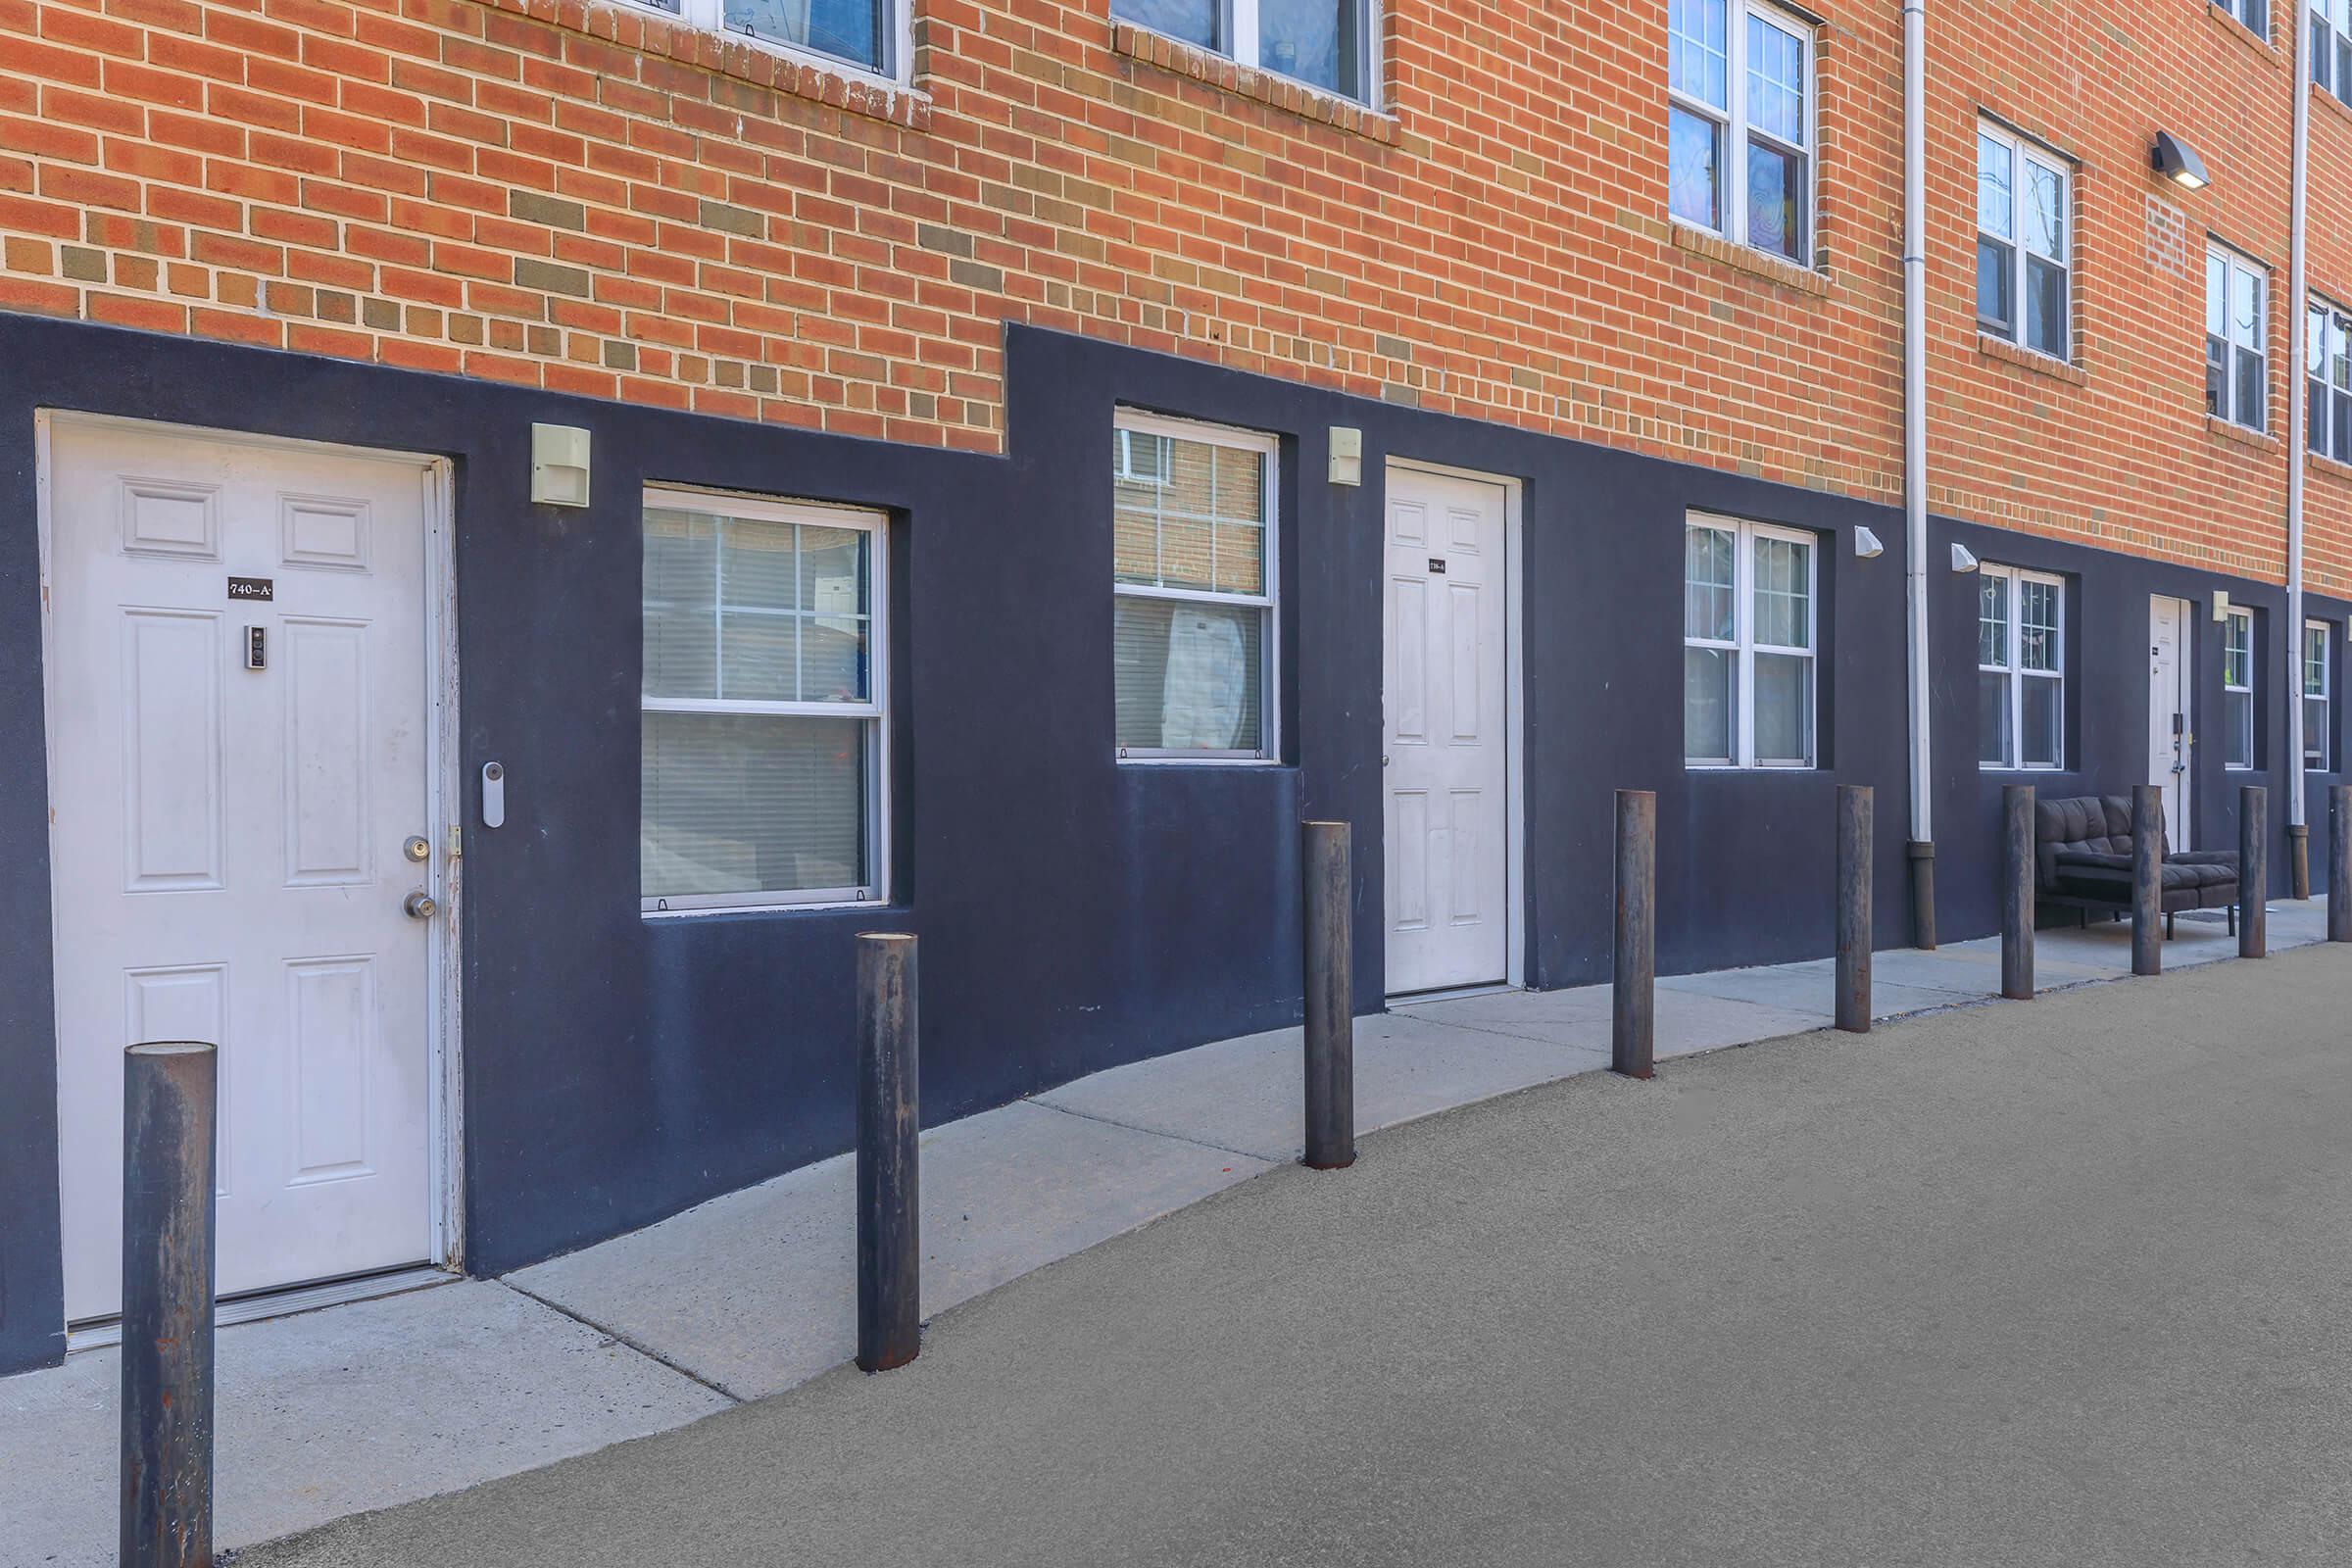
(2040, 363)
(1248, 81)
(741, 59)
(2320, 463)
(2228, 430)
(1748, 259)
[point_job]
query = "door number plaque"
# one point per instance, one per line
(263, 588)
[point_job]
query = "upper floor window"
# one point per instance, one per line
(2331, 46)
(761, 767)
(2255, 13)
(1749, 637)
(2237, 689)
(2024, 207)
(2236, 305)
(1324, 44)
(2316, 681)
(2021, 664)
(1192, 638)
(1739, 122)
(866, 33)
(2328, 367)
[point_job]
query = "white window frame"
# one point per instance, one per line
(2024, 152)
(1736, 127)
(1271, 601)
(2235, 263)
(2328, 38)
(1744, 647)
(2327, 332)
(2324, 696)
(1239, 40)
(2241, 13)
(875, 712)
(898, 39)
(2016, 577)
(2239, 624)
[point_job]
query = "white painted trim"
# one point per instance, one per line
(2013, 669)
(1514, 653)
(1744, 646)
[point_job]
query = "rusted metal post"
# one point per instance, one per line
(2147, 879)
(1855, 814)
(2253, 871)
(1634, 980)
(2017, 892)
(1328, 885)
(2339, 865)
(890, 1231)
(168, 1187)
(2298, 859)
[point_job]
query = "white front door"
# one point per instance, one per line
(1445, 622)
(2168, 735)
(240, 703)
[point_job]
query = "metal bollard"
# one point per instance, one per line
(1855, 814)
(890, 1231)
(2298, 859)
(2339, 865)
(2147, 879)
(1634, 980)
(2253, 871)
(168, 1203)
(1328, 886)
(2017, 893)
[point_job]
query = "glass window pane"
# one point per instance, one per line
(1992, 719)
(681, 604)
(1708, 605)
(1784, 710)
(2045, 307)
(1992, 621)
(2315, 343)
(1995, 281)
(2045, 212)
(846, 29)
(2315, 732)
(1193, 21)
(1776, 201)
(832, 576)
(2043, 720)
(1698, 50)
(2253, 394)
(1775, 81)
(1709, 707)
(734, 804)
(1187, 677)
(2237, 712)
(2216, 296)
(1188, 514)
(758, 563)
(2037, 625)
(759, 658)
(1783, 595)
(2245, 307)
(1994, 197)
(2217, 377)
(1695, 161)
(2315, 661)
(1314, 41)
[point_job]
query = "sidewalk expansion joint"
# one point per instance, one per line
(620, 1339)
(1161, 1132)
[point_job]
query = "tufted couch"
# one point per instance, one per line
(2083, 859)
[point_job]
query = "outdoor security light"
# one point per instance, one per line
(1962, 561)
(2177, 161)
(2220, 606)
(1867, 546)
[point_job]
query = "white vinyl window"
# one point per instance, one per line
(871, 36)
(2255, 13)
(2021, 669)
(1739, 122)
(2316, 690)
(1193, 645)
(2024, 213)
(1331, 44)
(2331, 46)
(2236, 308)
(2327, 373)
(1750, 636)
(765, 703)
(2237, 689)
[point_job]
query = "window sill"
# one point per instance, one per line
(2320, 463)
(2024, 359)
(2246, 35)
(1269, 87)
(2332, 100)
(1748, 259)
(748, 60)
(2230, 430)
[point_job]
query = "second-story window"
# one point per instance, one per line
(1324, 44)
(857, 32)
(2237, 379)
(2331, 46)
(2253, 12)
(2237, 689)
(2327, 368)
(1739, 122)
(2022, 273)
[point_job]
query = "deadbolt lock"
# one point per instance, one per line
(420, 905)
(418, 848)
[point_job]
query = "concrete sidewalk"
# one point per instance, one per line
(367, 1405)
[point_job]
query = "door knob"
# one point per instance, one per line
(420, 905)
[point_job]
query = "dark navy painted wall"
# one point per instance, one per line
(1075, 913)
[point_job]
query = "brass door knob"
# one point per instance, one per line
(421, 905)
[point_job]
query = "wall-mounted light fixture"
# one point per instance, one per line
(2177, 161)
(1962, 561)
(1347, 457)
(1867, 546)
(559, 466)
(2220, 606)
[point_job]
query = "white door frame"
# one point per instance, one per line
(1514, 771)
(2185, 694)
(444, 1100)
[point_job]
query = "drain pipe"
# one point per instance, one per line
(2298, 830)
(1915, 465)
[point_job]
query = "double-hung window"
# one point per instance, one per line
(1194, 647)
(1751, 637)
(2327, 373)
(2237, 689)
(2024, 211)
(2021, 669)
(1325, 43)
(869, 34)
(1739, 122)
(764, 701)
(2254, 13)
(2316, 687)
(2331, 46)
(2236, 306)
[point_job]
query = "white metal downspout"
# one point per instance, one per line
(2298, 416)
(1915, 463)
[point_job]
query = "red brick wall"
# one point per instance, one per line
(579, 195)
